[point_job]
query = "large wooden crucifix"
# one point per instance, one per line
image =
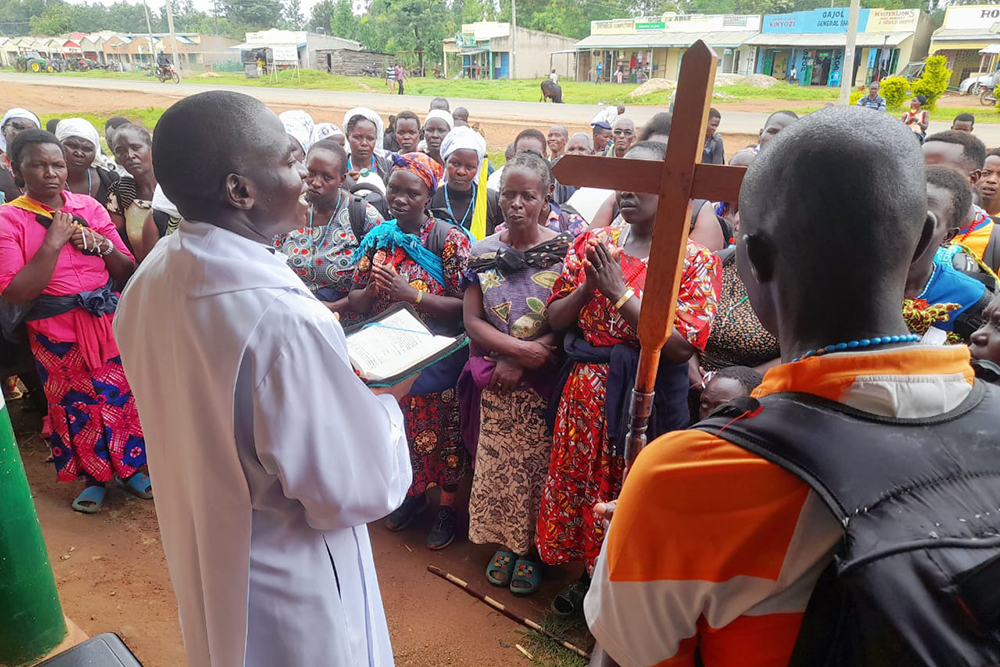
(677, 181)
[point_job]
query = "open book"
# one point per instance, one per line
(395, 346)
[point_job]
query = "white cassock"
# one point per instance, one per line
(267, 455)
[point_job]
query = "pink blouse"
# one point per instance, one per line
(21, 236)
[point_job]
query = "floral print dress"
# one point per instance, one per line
(584, 470)
(512, 457)
(432, 421)
(322, 255)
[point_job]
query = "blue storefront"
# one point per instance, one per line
(810, 44)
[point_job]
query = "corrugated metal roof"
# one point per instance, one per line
(821, 40)
(659, 40)
(973, 35)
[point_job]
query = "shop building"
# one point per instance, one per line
(652, 47)
(966, 38)
(486, 50)
(813, 43)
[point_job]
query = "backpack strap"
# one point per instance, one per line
(822, 442)
(991, 256)
(357, 211)
(972, 317)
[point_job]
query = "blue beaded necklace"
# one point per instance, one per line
(858, 345)
(472, 206)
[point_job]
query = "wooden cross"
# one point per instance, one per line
(681, 179)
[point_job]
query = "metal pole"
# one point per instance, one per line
(513, 38)
(33, 619)
(149, 31)
(847, 67)
(173, 39)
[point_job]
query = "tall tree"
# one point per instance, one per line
(344, 23)
(254, 14)
(405, 25)
(322, 15)
(293, 14)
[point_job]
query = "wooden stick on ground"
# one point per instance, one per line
(526, 622)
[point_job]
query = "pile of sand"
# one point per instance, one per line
(653, 86)
(209, 75)
(755, 80)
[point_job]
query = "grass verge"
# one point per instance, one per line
(574, 92)
(550, 654)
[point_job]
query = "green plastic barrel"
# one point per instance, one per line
(31, 618)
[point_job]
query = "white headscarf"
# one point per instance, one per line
(82, 129)
(375, 119)
(325, 131)
(464, 137)
(442, 115)
(11, 115)
(299, 125)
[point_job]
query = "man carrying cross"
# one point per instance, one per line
(714, 551)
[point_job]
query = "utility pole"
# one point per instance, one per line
(173, 39)
(847, 67)
(513, 37)
(149, 32)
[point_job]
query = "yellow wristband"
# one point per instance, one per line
(624, 298)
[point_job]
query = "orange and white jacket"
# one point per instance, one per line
(714, 549)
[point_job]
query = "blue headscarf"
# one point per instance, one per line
(389, 236)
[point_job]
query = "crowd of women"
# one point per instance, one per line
(546, 285)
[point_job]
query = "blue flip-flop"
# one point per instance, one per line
(138, 485)
(93, 495)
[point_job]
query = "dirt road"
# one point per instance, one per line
(112, 576)
(500, 122)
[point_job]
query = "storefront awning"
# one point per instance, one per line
(991, 50)
(816, 40)
(972, 35)
(661, 40)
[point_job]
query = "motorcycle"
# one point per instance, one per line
(988, 97)
(373, 72)
(167, 73)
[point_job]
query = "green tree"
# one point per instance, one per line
(55, 20)
(293, 14)
(405, 25)
(254, 14)
(322, 15)
(344, 23)
(934, 81)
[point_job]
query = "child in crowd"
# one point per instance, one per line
(725, 386)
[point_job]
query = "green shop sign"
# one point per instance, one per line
(659, 25)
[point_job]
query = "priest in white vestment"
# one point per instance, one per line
(267, 453)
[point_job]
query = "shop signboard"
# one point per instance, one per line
(649, 26)
(976, 17)
(465, 41)
(892, 20)
(613, 27)
(824, 21)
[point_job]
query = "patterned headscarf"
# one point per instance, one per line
(424, 166)
(299, 125)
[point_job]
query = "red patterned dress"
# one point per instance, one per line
(432, 420)
(583, 470)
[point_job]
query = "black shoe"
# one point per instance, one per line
(403, 515)
(443, 532)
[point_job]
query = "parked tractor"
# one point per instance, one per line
(32, 61)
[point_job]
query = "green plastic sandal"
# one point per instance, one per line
(527, 577)
(503, 561)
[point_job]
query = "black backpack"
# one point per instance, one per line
(916, 579)
(370, 195)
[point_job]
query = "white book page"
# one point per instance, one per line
(393, 345)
